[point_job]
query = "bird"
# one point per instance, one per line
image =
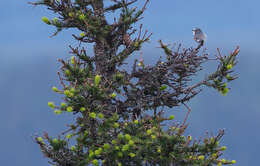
(198, 35)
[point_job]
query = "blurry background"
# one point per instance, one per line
(28, 70)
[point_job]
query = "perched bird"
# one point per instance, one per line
(198, 35)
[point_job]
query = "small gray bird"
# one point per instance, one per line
(198, 35)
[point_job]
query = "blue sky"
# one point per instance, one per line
(28, 67)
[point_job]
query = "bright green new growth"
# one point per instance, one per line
(116, 125)
(82, 17)
(171, 117)
(40, 139)
(82, 109)
(149, 131)
(127, 137)
(55, 89)
(58, 112)
(82, 34)
(69, 109)
(97, 79)
(72, 60)
(163, 87)
(51, 104)
(113, 95)
(101, 116)
(93, 115)
(46, 20)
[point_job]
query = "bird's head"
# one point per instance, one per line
(196, 30)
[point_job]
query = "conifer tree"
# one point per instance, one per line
(113, 126)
